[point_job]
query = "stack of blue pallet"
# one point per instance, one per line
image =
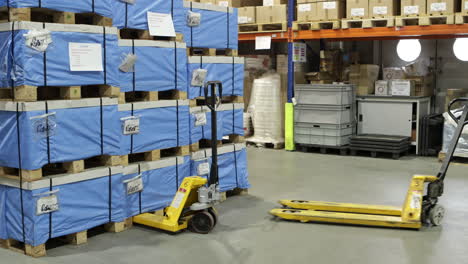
(41, 131)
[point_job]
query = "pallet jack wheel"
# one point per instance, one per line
(202, 222)
(213, 213)
(436, 214)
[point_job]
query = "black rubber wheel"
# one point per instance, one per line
(213, 213)
(202, 222)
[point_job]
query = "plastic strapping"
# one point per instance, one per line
(12, 91)
(47, 131)
(177, 173)
(139, 193)
(191, 29)
(40, 3)
(126, 15)
(134, 67)
(233, 119)
(233, 72)
(8, 9)
(235, 165)
(131, 136)
(227, 29)
(92, 6)
(50, 213)
(177, 111)
(105, 53)
(175, 66)
(20, 169)
(172, 9)
(44, 62)
(201, 67)
(101, 114)
(110, 194)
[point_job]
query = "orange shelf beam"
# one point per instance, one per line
(275, 36)
(432, 32)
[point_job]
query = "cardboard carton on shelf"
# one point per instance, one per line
(330, 10)
(306, 11)
(271, 14)
(383, 8)
(392, 73)
(247, 15)
(357, 9)
(413, 7)
(402, 87)
(364, 77)
(231, 3)
(274, 2)
(382, 88)
(282, 64)
(441, 7)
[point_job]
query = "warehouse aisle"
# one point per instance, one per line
(246, 233)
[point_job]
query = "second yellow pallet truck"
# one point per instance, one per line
(192, 206)
(417, 210)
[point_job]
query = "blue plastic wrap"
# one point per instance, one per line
(86, 200)
(232, 166)
(160, 183)
(101, 7)
(23, 65)
(163, 124)
(228, 70)
(217, 28)
(158, 67)
(135, 15)
(3, 229)
(230, 122)
(74, 125)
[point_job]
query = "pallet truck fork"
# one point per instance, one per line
(192, 206)
(418, 210)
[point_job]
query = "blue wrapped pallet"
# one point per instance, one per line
(228, 70)
(54, 131)
(46, 54)
(151, 186)
(162, 124)
(134, 15)
(101, 7)
(215, 28)
(230, 121)
(232, 163)
(159, 66)
(60, 205)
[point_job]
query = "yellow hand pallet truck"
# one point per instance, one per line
(418, 210)
(192, 206)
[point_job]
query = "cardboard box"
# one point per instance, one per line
(383, 8)
(282, 65)
(271, 14)
(307, 11)
(402, 87)
(436, 7)
(392, 73)
(381, 88)
(464, 6)
(231, 3)
(330, 10)
(364, 77)
(423, 85)
(247, 15)
(413, 7)
(357, 8)
(274, 2)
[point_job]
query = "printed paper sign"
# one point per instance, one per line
(263, 42)
(85, 56)
(223, 3)
(357, 12)
(198, 77)
(329, 5)
(48, 204)
(203, 168)
(380, 10)
(134, 186)
(131, 125)
(243, 20)
(304, 7)
(268, 2)
(160, 24)
(179, 197)
(200, 119)
(438, 7)
(38, 39)
(411, 10)
(299, 52)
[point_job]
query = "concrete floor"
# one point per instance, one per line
(247, 234)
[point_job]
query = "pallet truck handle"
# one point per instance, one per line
(212, 104)
(449, 111)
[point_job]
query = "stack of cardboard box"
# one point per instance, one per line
(318, 10)
(262, 11)
(398, 82)
(358, 9)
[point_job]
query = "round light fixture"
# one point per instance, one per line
(460, 49)
(409, 49)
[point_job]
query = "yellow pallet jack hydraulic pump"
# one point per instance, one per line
(192, 206)
(418, 209)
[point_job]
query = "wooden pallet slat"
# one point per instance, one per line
(425, 20)
(263, 27)
(193, 51)
(142, 96)
(317, 25)
(129, 33)
(368, 22)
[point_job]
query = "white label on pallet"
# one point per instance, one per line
(38, 39)
(131, 125)
(160, 24)
(135, 186)
(203, 169)
(357, 12)
(48, 204)
(85, 56)
(329, 5)
(438, 7)
(411, 10)
(200, 119)
(268, 3)
(179, 197)
(198, 77)
(466, 5)
(223, 3)
(44, 126)
(243, 20)
(304, 7)
(262, 42)
(380, 10)
(416, 198)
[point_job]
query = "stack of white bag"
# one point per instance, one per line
(449, 130)
(265, 109)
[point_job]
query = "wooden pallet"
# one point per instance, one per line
(73, 239)
(29, 93)
(53, 16)
(129, 33)
(264, 144)
(376, 153)
(232, 193)
(461, 18)
(317, 25)
(342, 150)
(200, 101)
(204, 143)
(154, 155)
(76, 166)
(212, 52)
(368, 22)
(263, 27)
(457, 158)
(424, 20)
(141, 96)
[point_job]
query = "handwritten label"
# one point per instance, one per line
(131, 125)
(85, 56)
(329, 5)
(304, 7)
(358, 12)
(135, 186)
(160, 24)
(44, 126)
(380, 10)
(48, 204)
(200, 119)
(198, 77)
(193, 19)
(38, 39)
(438, 7)
(411, 10)
(203, 168)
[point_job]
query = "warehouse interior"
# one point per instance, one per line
(233, 131)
